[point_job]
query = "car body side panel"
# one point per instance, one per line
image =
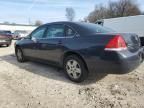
(28, 47)
(87, 47)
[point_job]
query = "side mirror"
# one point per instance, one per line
(27, 37)
(34, 39)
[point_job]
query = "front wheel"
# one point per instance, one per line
(19, 55)
(75, 68)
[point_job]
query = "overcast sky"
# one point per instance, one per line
(20, 11)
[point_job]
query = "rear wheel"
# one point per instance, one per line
(19, 55)
(7, 45)
(75, 68)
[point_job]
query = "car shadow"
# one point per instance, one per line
(49, 71)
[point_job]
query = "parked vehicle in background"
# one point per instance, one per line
(5, 37)
(130, 24)
(18, 34)
(81, 48)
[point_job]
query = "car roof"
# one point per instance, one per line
(65, 22)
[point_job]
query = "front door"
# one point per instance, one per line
(31, 45)
(51, 46)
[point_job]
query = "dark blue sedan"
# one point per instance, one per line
(81, 48)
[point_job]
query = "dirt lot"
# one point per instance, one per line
(35, 85)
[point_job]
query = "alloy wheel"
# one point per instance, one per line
(73, 69)
(19, 55)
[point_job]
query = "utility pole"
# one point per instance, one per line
(29, 21)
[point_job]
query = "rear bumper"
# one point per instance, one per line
(116, 61)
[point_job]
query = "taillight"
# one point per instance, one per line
(116, 43)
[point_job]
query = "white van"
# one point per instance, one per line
(130, 24)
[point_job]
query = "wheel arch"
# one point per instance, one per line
(66, 54)
(17, 46)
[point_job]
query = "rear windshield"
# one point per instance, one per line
(94, 28)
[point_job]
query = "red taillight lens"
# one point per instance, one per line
(116, 42)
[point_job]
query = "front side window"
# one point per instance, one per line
(55, 31)
(70, 32)
(38, 33)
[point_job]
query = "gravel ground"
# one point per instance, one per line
(35, 85)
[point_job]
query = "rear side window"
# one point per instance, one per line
(69, 32)
(55, 31)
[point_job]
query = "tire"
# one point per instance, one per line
(7, 45)
(75, 69)
(19, 55)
